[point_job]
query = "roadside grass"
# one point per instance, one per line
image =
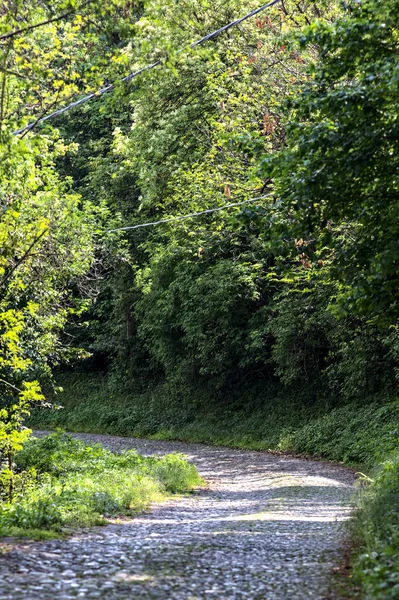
(37, 535)
(62, 484)
(364, 435)
(376, 527)
(259, 418)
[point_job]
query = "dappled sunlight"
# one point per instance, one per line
(126, 577)
(294, 501)
(328, 516)
(261, 523)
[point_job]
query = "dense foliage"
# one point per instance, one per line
(286, 305)
(378, 525)
(49, 255)
(224, 298)
(339, 172)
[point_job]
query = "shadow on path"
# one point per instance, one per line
(266, 528)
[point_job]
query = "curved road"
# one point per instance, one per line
(265, 528)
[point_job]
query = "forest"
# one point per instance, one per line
(207, 250)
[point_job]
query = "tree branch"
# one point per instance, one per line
(6, 36)
(23, 258)
(10, 385)
(44, 113)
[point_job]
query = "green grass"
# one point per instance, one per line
(376, 565)
(36, 535)
(62, 483)
(360, 435)
(364, 435)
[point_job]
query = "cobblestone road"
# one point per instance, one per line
(265, 528)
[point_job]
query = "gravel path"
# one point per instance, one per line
(266, 528)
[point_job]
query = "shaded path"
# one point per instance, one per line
(266, 528)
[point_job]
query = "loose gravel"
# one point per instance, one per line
(266, 527)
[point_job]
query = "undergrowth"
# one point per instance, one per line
(62, 483)
(364, 435)
(358, 434)
(377, 527)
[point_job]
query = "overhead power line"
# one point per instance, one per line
(189, 216)
(148, 67)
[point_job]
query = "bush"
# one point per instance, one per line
(60, 453)
(361, 435)
(72, 484)
(377, 566)
(174, 473)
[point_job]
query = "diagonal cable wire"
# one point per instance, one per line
(189, 216)
(148, 67)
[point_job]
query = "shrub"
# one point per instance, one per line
(73, 484)
(377, 566)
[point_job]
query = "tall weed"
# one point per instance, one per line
(72, 484)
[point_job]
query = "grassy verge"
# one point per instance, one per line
(356, 434)
(365, 435)
(376, 564)
(62, 483)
